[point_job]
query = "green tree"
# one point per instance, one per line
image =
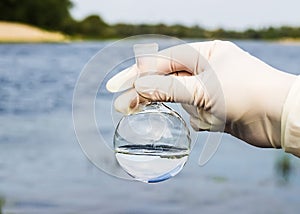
(50, 14)
(93, 26)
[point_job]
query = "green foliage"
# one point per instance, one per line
(123, 30)
(49, 14)
(2, 203)
(284, 168)
(55, 15)
(92, 26)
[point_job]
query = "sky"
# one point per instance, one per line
(228, 14)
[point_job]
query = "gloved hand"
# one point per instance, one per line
(222, 87)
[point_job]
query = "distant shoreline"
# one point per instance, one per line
(12, 32)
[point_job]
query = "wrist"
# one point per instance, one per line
(290, 126)
(279, 86)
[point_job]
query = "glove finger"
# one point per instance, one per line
(197, 121)
(123, 80)
(185, 58)
(202, 120)
(129, 102)
(182, 89)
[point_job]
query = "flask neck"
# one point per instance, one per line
(156, 107)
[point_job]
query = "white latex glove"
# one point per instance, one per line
(220, 86)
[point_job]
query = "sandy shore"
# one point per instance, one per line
(17, 32)
(289, 41)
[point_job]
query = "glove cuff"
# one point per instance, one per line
(290, 121)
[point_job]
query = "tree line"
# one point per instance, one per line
(55, 15)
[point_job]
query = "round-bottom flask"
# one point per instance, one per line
(152, 145)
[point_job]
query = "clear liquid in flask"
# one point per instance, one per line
(152, 145)
(151, 163)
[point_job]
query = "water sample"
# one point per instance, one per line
(151, 145)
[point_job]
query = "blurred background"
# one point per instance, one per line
(45, 45)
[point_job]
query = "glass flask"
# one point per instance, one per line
(151, 145)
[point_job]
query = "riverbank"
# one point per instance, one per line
(11, 32)
(289, 41)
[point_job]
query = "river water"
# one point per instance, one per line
(43, 169)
